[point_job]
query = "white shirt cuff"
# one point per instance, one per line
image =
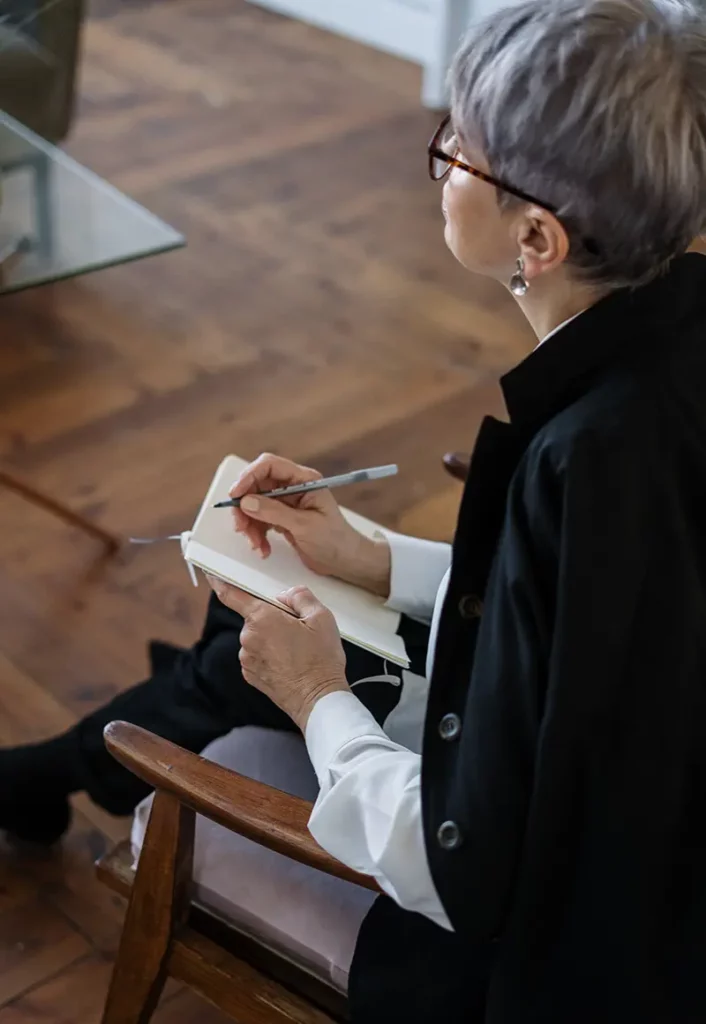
(369, 811)
(334, 721)
(417, 568)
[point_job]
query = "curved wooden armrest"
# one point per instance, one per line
(252, 809)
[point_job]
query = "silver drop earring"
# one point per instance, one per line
(519, 284)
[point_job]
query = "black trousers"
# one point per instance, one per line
(195, 695)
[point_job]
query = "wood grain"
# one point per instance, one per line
(268, 816)
(66, 879)
(315, 312)
(241, 991)
(49, 503)
(35, 941)
(74, 996)
(185, 1007)
(159, 903)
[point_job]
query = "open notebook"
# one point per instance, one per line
(214, 545)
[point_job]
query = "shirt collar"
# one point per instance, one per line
(559, 327)
(570, 359)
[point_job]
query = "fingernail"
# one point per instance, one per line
(249, 504)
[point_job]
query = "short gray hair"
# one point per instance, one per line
(598, 108)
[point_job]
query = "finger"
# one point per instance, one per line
(269, 471)
(257, 539)
(245, 483)
(240, 520)
(254, 533)
(301, 601)
(275, 513)
(233, 597)
(246, 659)
(246, 667)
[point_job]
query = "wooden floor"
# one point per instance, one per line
(315, 313)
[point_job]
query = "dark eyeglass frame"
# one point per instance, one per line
(437, 153)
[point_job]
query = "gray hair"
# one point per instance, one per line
(598, 108)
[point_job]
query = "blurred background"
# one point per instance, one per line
(217, 234)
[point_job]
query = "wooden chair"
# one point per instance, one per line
(165, 934)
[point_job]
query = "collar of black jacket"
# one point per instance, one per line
(566, 365)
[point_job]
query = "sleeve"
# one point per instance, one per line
(369, 813)
(552, 647)
(417, 569)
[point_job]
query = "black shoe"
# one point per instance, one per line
(34, 792)
(43, 824)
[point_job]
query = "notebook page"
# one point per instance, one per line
(214, 545)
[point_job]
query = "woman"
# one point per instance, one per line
(545, 858)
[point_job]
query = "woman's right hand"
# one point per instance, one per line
(312, 523)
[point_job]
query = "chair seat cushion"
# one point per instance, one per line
(311, 918)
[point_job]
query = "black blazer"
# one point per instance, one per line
(565, 803)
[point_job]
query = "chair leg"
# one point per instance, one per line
(159, 903)
(56, 508)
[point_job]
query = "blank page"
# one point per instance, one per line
(215, 546)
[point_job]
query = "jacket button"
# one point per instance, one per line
(449, 835)
(450, 727)
(470, 606)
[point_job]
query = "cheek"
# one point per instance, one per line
(474, 230)
(461, 211)
(449, 199)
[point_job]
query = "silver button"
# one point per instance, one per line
(470, 606)
(449, 835)
(450, 727)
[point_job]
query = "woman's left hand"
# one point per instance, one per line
(293, 660)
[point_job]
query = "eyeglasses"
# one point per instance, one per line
(443, 150)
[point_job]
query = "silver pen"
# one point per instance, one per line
(355, 477)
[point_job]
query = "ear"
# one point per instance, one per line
(542, 241)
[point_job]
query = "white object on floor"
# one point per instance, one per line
(311, 918)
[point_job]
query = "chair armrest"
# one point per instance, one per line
(259, 812)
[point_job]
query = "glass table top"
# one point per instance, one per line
(58, 219)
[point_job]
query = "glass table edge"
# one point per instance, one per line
(168, 246)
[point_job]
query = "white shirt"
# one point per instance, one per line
(369, 810)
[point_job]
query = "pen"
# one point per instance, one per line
(356, 476)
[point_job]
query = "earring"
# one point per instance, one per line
(518, 282)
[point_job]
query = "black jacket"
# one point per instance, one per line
(566, 822)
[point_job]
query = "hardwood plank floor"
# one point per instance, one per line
(315, 312)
